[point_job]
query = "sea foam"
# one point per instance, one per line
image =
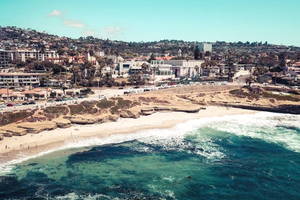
(269, 127)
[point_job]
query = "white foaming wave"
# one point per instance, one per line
(264, 126)
(154, 135)
(74, 196)
(204, 146)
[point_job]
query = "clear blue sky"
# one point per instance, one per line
(275, 21)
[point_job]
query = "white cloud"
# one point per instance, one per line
(112, 31)
(74, 24)
(89, 33)
(55, 13)
(106, 32)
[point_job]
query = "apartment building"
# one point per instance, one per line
(15, 80)
(24, 55)
(5, 59)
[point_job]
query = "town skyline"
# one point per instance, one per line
(138, 21)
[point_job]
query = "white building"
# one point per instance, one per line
(162, 72)
(14, 80)
(100, 53)
(205, 47)
(124, 67)
(211, 71)
(23, 55)
(91, 59)
(182, 68)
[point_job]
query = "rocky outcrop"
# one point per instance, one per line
(10, 131)
(188, 109)
(129, 114)
(5, 133)
(159, 109)
(83, 120)
(37, 127)
(147, 111)
(110, 118)
(55, 111)
(62, 123)
(290, 109)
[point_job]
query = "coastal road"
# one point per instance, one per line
(98, 95)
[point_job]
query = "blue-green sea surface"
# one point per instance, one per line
(238, 157)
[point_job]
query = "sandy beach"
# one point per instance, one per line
(17, 147)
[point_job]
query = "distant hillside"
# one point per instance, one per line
(13, 37)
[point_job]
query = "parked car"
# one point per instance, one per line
(9, 105)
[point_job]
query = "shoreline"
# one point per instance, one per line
(18, 147)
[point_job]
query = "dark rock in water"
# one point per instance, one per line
(32, 164)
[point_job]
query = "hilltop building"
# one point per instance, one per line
(205, 47)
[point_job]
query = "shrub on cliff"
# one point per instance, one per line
(10, 117)
(244, 93)
(89, 104)
(115, 110)
(104, 103)
(55, 111)
(122, 103)
(76, 109)
(153, 100)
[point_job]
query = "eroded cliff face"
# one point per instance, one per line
(88, 112)
(186, 99)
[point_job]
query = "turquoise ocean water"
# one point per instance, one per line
(244, 157)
